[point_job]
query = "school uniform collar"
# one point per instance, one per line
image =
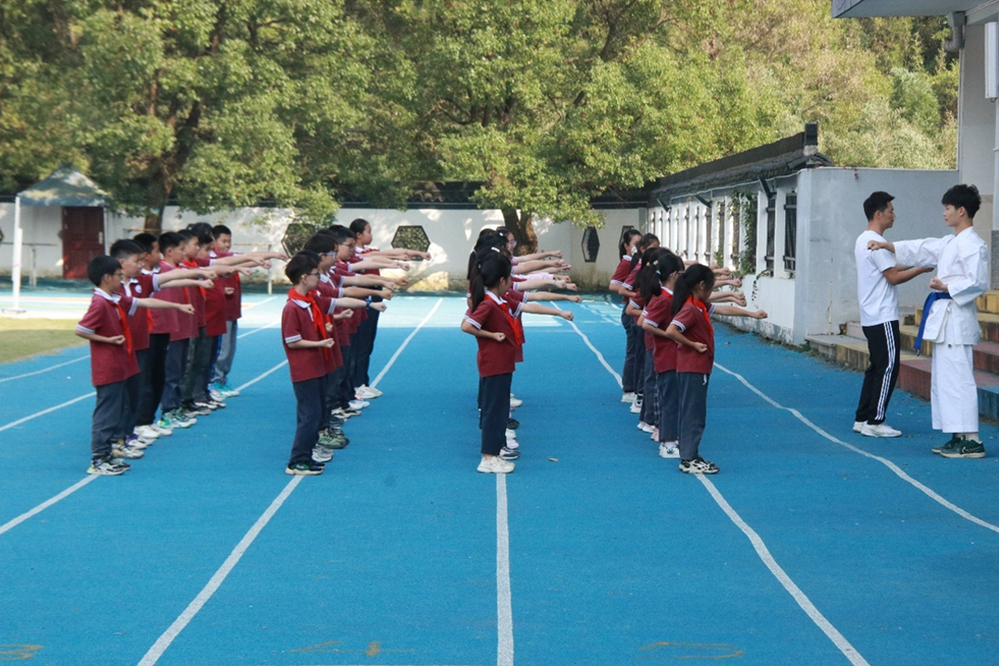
(114, 298)
(325, 277)
(667, 290)
(499, 301)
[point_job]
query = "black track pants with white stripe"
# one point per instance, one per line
(881, 374)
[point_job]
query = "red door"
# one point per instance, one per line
(82, 239)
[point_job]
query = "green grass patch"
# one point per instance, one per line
(21, 338)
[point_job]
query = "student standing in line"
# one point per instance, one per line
(691, 329)
(655, 318)
(636, 337)
(494, 326)
(646, 287)
(950, 317)
(112, 363)
(877, 276)
(629, 241)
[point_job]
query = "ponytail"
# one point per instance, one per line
(491, 268)
(660, 266)
(687, 280)
(644, 245)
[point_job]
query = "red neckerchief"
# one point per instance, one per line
(124, 324)
(704, 312)
(518, 328)
(317, 315)
(191, 263)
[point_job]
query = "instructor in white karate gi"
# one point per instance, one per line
(950, 317)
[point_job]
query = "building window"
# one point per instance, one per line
(790, 231)
(771, 229)
(411, 238)
(591, 244)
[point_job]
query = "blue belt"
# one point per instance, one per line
(930, 300)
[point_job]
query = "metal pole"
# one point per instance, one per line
(33, 279)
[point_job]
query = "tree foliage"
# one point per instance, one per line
(544, 104)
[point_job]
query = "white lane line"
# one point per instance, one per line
(806, 605)
(38, 372)
(256, 330)
(589, 344)
(929, 492)
(405, 342)
(504, 603)
(250, 306)
(764, 554)
(72, 489)
(14, 424)
(168, 636)
(6, 527)
(164, 641)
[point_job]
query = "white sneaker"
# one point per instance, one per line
(880, 430)
(628, 397)
(655, 435)
(636, 407)
(669, 450)
(515, 402)
(512, 444)
(359, 404)
(495, 465)
(366, 392)
(146, 433)
(645, 427)
(859, 425)
(160, 430)
(511, 434)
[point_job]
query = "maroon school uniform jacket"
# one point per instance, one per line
(233, 303)
(142, 285)
(694, 321)
(622, 271)
(327, 289)
(494, 358)
(659, 313)
(109, 363)
(297, 323)
(167, 321)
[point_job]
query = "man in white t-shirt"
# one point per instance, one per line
(877, 276)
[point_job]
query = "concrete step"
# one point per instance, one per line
(988, 302)
(987, 322)
(914, 372)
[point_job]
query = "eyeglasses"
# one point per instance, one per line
(512, 242)
(316, 274)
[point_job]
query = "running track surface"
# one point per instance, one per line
(813, 545)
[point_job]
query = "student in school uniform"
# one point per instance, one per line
(950, 317)
(628, 290)
(307, 345)
(112, 363)
(629, 241)
(646, 287)
(691, 329)
(492, 321)
(656, 316)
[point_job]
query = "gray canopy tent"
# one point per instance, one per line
(66, 186)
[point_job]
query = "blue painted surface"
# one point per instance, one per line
(389, 557)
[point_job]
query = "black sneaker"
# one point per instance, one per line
(698, 466)
(512, 424)
(310, 468)
(509, 454)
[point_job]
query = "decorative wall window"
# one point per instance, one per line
(411, 238)
(771, 229)
(790, 231)
(591, 244)
(296, 235)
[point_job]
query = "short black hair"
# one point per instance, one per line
(200, 228)
(357, 226)
(170, 239)
(221, 229)
(186, 234)
(342, 234)
(146, 240)
(100, 266)
(877, 202)
(125, 248)
(321, 243)
(963, 196)
(301, 264)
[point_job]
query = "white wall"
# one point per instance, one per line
(452, 233)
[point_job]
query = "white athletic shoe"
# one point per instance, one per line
(515, 402)
(645, 427)
(880, 430)
(495, 465)
(669, 450)
(146, 433)
(160, 430)
(636, 407)
(512, 444)
(655, 435)
(359, 404)
(859, 425)
(366, 393)
(628, 397)
(511, 434)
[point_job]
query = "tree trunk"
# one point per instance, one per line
(522, 228)
(158, 194)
